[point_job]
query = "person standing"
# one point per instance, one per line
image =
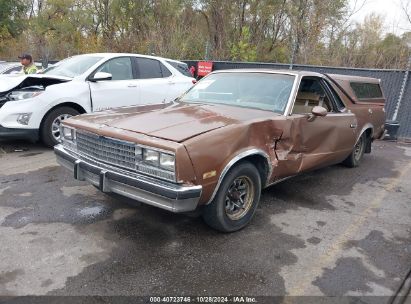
(28, 65)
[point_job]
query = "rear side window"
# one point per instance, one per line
(366, 90)
(164, 70)
(151, 68)
(181, 67)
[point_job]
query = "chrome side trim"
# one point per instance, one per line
(340, 114)
(259, 70)
(234, 160)
(279, 181)
(329, 114)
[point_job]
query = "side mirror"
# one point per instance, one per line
(101, 76)
(317, 111)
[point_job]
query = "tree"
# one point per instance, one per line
(12, 14)
(310, 31)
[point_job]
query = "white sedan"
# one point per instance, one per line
(33, 106)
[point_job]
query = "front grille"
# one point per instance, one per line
(111, 151)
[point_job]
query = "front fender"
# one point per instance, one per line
(40, 105)
(230, 164)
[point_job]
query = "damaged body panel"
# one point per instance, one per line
(17, 82)
(309, 145)
(233, 134)
(25, 83)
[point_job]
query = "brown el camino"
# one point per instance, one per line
(232, 134)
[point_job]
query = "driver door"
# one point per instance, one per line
(122, 90)
(319, 141)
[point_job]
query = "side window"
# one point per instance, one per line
(310, 94)
(151, 68)
(120, 68)
(165, 71)
(337, 100)
(366, 90)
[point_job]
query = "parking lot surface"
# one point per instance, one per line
(335, 231)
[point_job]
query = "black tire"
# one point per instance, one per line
(223, 213)
(354, 159)
(46, 131)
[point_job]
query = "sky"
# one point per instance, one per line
(395, 20)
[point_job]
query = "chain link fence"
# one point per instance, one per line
(391, 83)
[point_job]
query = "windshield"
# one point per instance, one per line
(263, 91)
(74, 66)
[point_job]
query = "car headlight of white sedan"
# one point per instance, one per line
(24, 94)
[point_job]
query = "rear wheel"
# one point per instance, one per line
(354, 159)
(50, 130)
(236, 200)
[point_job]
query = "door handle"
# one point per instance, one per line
(131, 85)
(171, 82)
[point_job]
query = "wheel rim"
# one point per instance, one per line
(358, 150)
(55, 126)
(239, 198)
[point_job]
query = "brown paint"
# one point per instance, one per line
(205, 137)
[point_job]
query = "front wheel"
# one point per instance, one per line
(354, 159)
(50, 130)
(236, 200)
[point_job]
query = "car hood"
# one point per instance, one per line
(176, 122)
(13, 82)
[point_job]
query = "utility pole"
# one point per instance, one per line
(207, 51)
(293, 49)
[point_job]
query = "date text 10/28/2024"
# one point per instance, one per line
(205, 299)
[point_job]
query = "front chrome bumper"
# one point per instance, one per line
(152, 191)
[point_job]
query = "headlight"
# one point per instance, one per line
(167, 161)
(20, 95)
(155, 162)
(151, 157)
(67, 133)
